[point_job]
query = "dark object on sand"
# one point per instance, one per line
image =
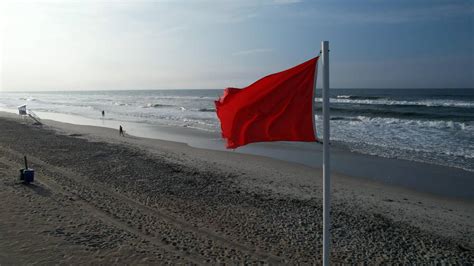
(103, 113)
(121, 130)
(27, 175)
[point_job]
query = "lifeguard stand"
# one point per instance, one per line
(24, 113)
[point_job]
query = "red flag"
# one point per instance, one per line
(278, 107)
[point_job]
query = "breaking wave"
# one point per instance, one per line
(358, 97)
(156, 105)
(368, 100)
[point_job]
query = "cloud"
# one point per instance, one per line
(286, 2)
(253, 51)
(381, 12)
(171, 30)
(418, 14)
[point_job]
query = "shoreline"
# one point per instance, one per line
(419, 176)
(213, 182)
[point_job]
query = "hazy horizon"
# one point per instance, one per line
(220, 89)
(156, 45)
(217, 89)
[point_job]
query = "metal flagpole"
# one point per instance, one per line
(326, 165)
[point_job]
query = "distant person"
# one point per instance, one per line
(121, 131)
(103, 113)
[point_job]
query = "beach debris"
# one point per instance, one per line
(27, 175)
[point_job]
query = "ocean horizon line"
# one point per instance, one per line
(214, 89)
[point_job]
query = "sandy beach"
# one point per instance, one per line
(101, 198)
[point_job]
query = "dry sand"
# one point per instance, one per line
(101, 198)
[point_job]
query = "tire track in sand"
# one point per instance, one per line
(99, 214)
(78, 183)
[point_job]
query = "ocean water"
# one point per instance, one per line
(427, 125)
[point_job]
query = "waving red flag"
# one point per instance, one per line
(278, 107)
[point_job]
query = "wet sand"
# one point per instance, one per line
(102, 198)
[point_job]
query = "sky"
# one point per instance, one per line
(144, 44)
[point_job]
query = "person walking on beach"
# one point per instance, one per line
(103, 113)
(121, 131)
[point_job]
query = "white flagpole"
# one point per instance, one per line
(326, 165)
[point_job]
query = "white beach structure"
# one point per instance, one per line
(22, 110)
